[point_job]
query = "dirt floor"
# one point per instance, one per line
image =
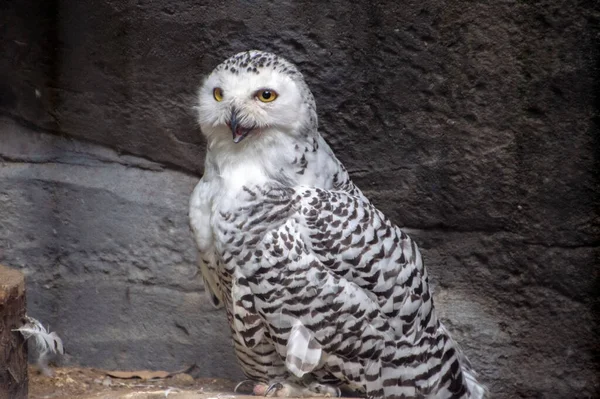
(85, 383)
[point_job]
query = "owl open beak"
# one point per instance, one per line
(239, 131)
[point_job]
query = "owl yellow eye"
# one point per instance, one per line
(266, 95)
(218, 94)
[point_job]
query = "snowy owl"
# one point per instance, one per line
(321, 290)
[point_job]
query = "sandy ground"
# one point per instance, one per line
(85, 383)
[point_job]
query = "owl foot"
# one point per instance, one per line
(288, 389)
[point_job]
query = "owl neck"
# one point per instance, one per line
(280, 159)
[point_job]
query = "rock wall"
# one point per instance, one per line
(472, 124)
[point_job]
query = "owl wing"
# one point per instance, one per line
(356, 241)
(342, 290)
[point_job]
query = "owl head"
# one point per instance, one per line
(255, 96)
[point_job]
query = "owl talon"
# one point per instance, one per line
(274, 386)
(240, 384)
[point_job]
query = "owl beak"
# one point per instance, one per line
(239, 131)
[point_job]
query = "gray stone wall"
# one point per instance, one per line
(472, 124)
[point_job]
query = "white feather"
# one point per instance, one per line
(478, 391)
(303, 351)
(44, 341)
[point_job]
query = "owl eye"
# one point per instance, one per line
(266, 95)
(218, 94)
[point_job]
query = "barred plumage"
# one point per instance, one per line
(320, 288)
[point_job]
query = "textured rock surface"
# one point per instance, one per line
(110, 262)
(474, 124)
